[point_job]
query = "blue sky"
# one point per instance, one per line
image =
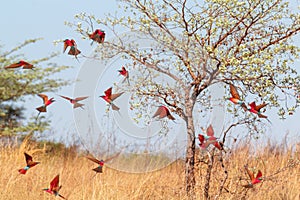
(21, 20)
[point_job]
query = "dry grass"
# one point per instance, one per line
(77, 179)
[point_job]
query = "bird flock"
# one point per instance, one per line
(161, 112)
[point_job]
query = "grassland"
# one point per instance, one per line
(281, 172)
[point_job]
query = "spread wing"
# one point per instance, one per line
(15, 65)
(54, 184)
(251, 176)
(258, 107)
(252, 105)
(108, 92)
(28, 158)
(93, 159)
(114, 156)
(259, 174)
(210, 131)
(65, 46)
(114, 96)
(44, 97)
(80, 98)
(65, 97)
(234, 92)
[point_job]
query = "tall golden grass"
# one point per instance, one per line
(281, 172)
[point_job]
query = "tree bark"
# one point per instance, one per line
(190, 155)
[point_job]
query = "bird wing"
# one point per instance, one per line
(210, 131)
(80, 98)
(54, 184)
(68, 98)
(234, 92)
(114, 96)
(258, 107)
(250, 174)
(28, 158)
(65, 46)
(108, 92)
(44, 97)
(201, 138)
(252, 105)
(14, 65)
(93, 159)
(112, 157)
(259, 174)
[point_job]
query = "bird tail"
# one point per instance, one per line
(22, 171)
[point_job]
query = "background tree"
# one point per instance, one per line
(16, 84)
(201, 43)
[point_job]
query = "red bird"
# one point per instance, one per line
(124, 73)
(75, 101)
(73, 47)
(109, 97)
(97, 36)
(101, 162)
(208, 139)
(29, 164)
(54, 187)
(46, 101)
(162, 112)
(21, 63)
(254, 180)
(256, 109)
(235, 97)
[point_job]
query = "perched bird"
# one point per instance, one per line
(101, 162)
(46, 101)
(29, 164)
(256, 109)
(97, 36)
(75, 101)
(73, 47)
(208, 139)
(109, 97)
(162, 112)
(124, 73)
(21, 63)
(253, 180)
(235, 97)
(54, 187)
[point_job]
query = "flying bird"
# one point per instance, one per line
(46, 101)
(75, 101)
(54, 187)
(162, 112)
(254, 180)
(109, 97)
(21, 63)
(256, 109)
(208, 139)
(101, 162)
(73, 47)
(97, 36)
(235, 97)
(124, 73)
(29, 164)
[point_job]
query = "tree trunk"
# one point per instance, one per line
(190, 155)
